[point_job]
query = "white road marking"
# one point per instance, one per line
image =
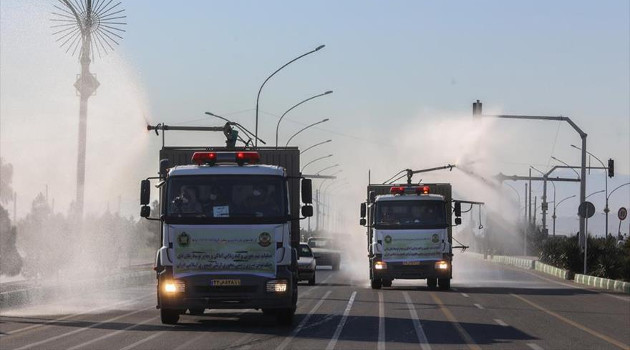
(186, 345)
(465, 295)
(142, 341)
(381, 323)
(82, 329)
(479, 306)
(297, 329)
(500, 323)
(111, 334)
(344, 318)
(534, 346)
(77, 314)
(422, 338)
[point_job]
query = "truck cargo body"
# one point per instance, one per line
(409, 234)
(233, 246)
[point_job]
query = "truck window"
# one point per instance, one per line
(226, 196)
(410, 214)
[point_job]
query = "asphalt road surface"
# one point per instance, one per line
(490, 306)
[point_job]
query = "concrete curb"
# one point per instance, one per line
(604, 283)
(40, 293)
(552, 270)
(518, 262)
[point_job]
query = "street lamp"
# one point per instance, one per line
(315, 145)
(600, 191)
(314, 160)
(606, 210)
(332, 166)
(610, 194)
(288, 110)
(304, 128)
(555, 206)
(570, 167)
(269, 77)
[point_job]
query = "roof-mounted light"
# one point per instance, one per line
(212, 158)
(397, 190)
(422, 190)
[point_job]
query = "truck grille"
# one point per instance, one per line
(225, 289)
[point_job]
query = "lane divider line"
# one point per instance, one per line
(500, 322)
(297, 329)
(534, 346)
(478, 306)
(104, 336)
(59, 336)
(344, 318)
(574, 324)
(381, 323)
(142, 341)
(465, 295)
(470, 342)
(44, 324)
(422, 338)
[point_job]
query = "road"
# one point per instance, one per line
(490, 306)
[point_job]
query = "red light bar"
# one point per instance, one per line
(422, 190)
(397, 190)
(201, 158)
(247, 157)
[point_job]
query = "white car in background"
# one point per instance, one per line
(306, 264)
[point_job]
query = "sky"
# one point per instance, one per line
(404, 76)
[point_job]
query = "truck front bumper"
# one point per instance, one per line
(411, 270)
(242, 292)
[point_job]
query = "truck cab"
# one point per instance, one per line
(409, 234)
(227, 235)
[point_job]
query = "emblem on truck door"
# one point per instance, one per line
(435, 238)
(264, 239)
(183, 239)
(388, 239)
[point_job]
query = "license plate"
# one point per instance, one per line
(225, 282)
(411, 263)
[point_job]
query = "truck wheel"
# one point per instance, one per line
(432, 282)
(311, 282)
(284, 317)
(387, 283)
(376, 284)
(169, 316)
(196, 312)
(445, 283)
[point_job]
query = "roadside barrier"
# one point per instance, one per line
(604, 283)
(554, 271)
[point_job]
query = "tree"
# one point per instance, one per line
(6, 177)
(10, 259)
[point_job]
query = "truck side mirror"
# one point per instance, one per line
(145, 210)
(307, 192)
(458, 209)
(362, 222)
(307, 211)
(458, 221)
(372, 196)
(363, 209)
(145, 192)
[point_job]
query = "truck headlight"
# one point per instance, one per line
(441, 265)
(174, 287)
(277, 286)
(380, 265)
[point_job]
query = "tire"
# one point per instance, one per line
(196, 312)
(311, 282)
(376, 284)
(284, 317)
(445, 283)
(432, 282)
(169, 316)
(387, 283)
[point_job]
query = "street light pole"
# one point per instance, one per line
(555, 206)
(269, 77)
(313, 161)
(326, 168)
(304, 128)
(289, 110)
(315, 145)
(606, 210)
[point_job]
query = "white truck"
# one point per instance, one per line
(409, 233)
(229, 229)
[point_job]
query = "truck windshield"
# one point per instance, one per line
(410, 214)
(227, 197)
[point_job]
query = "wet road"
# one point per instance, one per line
(490, 306)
